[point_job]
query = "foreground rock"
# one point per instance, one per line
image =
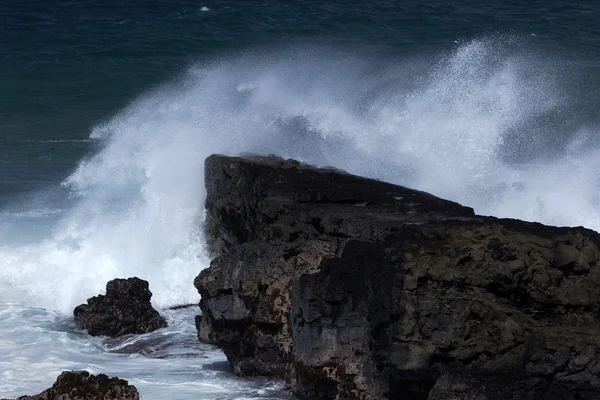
(125, 309)
(359, 289)
(80, 385)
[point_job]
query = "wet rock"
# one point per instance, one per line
(354, 288)
(125, 309)
(80, 385)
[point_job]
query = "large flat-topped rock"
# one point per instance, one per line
(250, 191)
(354, 288)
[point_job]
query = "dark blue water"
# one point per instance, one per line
(67, 65)
(108, 110)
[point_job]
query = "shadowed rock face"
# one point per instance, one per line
(354, 288)
(125, 309)
(80, 385)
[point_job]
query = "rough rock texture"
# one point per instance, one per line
(80, 385)
(354, 288)
(125, 309)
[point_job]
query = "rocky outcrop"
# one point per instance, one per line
(359, 289)
(80, 385)
(125, 309)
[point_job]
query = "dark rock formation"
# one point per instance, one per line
(80, 385)
(354, 288)
(125, 309)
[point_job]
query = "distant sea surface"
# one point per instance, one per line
(108, 109)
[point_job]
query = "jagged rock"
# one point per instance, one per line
(80, 385)
(125, 309)
(358, 289)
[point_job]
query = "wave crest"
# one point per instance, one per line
(480, 125)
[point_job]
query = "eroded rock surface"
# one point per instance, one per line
(80, 385)
(125, 309)
(354, 288)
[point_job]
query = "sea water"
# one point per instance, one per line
(109, 110)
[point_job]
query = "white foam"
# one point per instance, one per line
(449, 128)
(39, 345)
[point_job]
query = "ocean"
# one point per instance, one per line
(108, 110)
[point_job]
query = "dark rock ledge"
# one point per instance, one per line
(355, 288)
(80, 385)
(125, 309)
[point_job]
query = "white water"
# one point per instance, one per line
(455, 126)
(37, 345)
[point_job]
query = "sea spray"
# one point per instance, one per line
(471, 125)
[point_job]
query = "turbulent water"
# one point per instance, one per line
(109, 111)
